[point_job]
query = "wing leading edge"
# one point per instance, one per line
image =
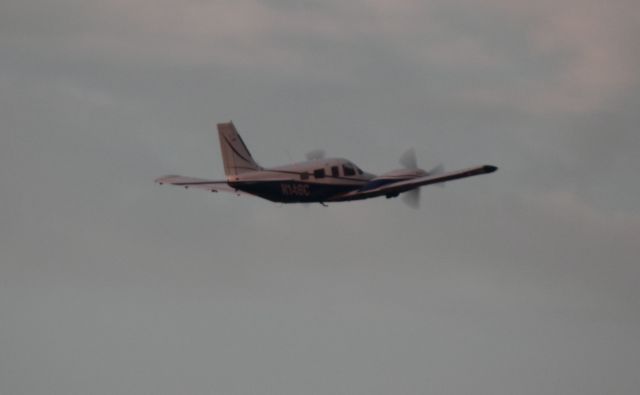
(396, 188)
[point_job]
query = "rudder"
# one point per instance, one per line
(235, 154)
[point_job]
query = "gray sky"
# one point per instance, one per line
(520, 282)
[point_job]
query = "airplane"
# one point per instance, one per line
(317, 180)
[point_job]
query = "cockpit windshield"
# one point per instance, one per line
(348, 170)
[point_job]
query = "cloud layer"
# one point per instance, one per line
(524, 281)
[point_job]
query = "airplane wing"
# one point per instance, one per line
(190, 182)
(395, 188)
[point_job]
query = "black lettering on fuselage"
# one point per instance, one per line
(301, 190)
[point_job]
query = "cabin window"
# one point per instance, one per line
(318, 173)
(335, 171)
(359, 170)
(304, 176)
(348, 170)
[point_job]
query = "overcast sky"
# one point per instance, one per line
(525, 281)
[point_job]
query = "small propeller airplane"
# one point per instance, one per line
(319, 179)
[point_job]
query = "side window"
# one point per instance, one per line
(304, 176)
(348, 171)
(318, 173)
(359, 170)
(335, 171)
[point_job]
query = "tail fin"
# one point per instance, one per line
(235, 154)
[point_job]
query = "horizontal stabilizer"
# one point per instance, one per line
(199, 183)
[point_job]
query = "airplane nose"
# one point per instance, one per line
(489, 168)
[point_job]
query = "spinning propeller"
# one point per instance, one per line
(315, 154)
(409, 161)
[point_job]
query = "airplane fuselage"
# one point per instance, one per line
(320, 180)
(312, 181)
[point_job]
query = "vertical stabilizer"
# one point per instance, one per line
(235, 154)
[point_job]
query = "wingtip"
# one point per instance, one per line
(489, 168)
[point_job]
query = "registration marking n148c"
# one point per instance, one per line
(295, 189)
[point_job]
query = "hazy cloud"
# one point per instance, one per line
(524, 281)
